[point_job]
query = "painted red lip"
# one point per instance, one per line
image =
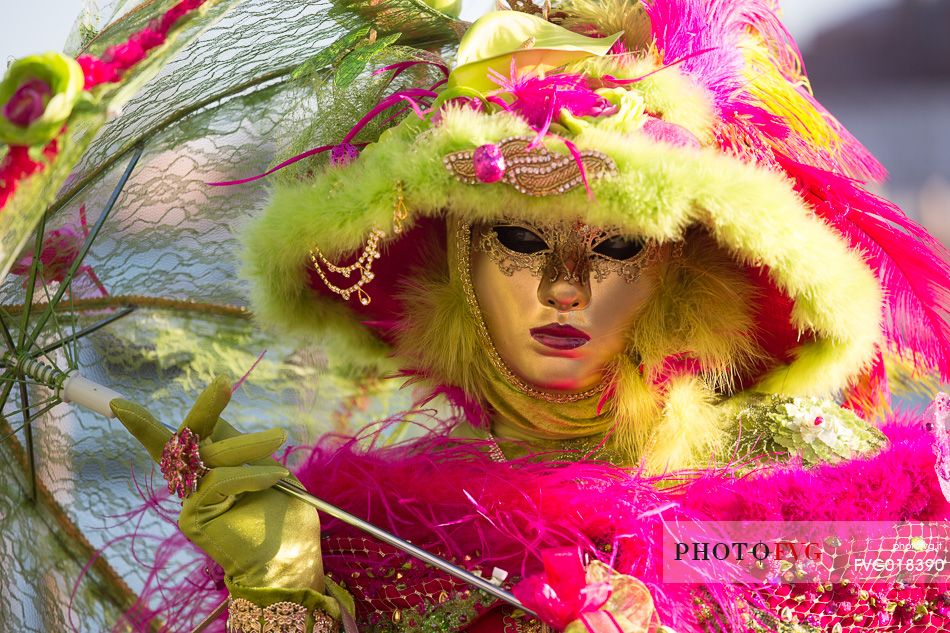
(558, 336)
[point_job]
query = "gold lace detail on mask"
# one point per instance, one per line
(463, 241)
(570, 254)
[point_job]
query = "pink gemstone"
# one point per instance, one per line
(489, 163)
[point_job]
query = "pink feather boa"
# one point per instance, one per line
(447, 497)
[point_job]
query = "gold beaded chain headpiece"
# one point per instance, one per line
(532, 170)
(364, 263)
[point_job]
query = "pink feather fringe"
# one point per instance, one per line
(912, 266)
(446, 496)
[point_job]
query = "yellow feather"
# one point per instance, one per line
(701, 309)
(610, 16)
(691, 432)
(785, 96)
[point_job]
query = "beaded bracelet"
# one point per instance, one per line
(282, 617)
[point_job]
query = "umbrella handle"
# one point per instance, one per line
(86, 393)
(70, 386)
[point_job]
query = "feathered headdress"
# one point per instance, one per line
(667, 118)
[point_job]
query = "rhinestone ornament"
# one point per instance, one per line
(181, 463)
(489, 163)
(533, 171)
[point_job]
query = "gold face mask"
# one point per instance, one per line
(554, 300)
(573, 251)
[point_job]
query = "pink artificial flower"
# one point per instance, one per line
(539, 100)
(28, 102)
(167, 21)
(148, 38)
(124, 55)
(17, 165)
(562, 594)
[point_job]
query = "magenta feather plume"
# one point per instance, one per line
(539, 100)
(912, 266)
(712, 41)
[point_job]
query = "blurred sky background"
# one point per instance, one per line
(881, 66)
(40, 25)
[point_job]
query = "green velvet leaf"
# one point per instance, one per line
(354, 63)
(331, 54)
(421, 24)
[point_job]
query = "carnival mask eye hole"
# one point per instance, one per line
(619, 248)
(519, 239)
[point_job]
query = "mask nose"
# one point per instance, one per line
(564, 295)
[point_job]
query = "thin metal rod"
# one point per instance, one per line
(93, 234)
(214, 615)
(8, 379)
(400, 544)
(30, 453)
(6, 332)
(390, 539)
(50, 403)
(31, 284)
(83, 332)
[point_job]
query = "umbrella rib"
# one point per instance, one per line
(8, 337)
(57, 326)
(143, 301)
(83, 332)
(47, 404)
(31, 284)
(93, 234)
(28, 429)
(8, 379)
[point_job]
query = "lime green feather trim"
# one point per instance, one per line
(662, 191)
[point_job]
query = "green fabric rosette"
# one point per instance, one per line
(37, 95)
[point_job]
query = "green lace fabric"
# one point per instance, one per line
(771, 428)
(244, 94)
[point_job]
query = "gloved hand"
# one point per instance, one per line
(267, 542)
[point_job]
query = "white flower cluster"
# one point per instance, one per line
(822, 422)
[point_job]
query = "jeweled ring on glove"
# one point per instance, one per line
(181, 463)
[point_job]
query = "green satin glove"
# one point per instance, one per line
(267, 542)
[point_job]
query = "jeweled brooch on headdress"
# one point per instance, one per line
(532, 171)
